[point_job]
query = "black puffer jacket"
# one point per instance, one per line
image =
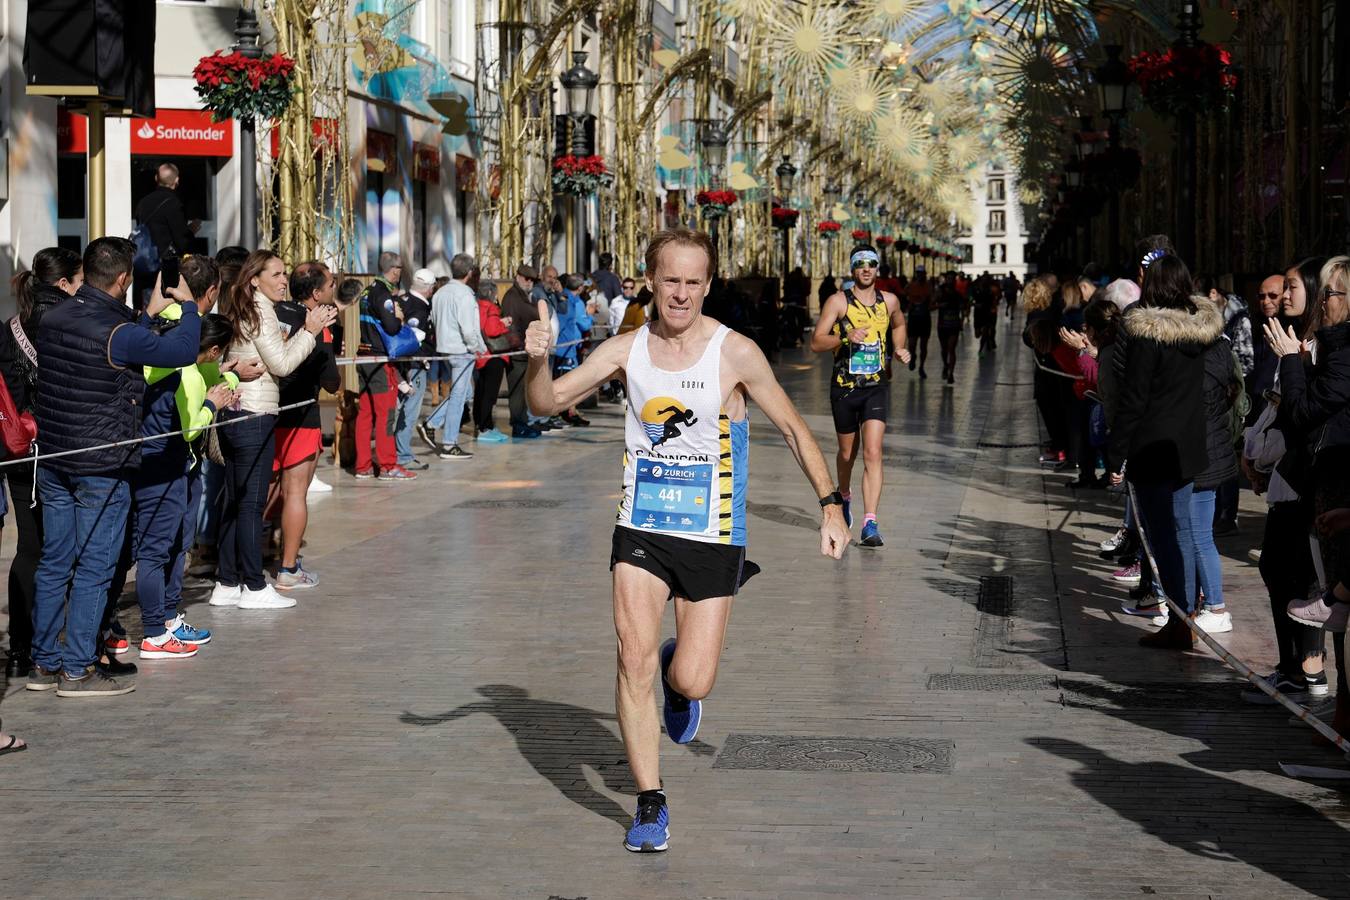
(21, 375)
(1221, 389)
(1160, 407)
(1315, 401)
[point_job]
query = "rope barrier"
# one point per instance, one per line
(1301, 713)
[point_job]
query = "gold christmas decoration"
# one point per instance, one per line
(903, 134)
(806, 40)
(889, 14)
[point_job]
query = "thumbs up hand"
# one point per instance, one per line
(538, 337)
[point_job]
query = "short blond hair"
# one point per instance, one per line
(1036, 296)
(685, 237)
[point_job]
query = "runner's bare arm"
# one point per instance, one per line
(823, 339)
(899, 333)
(751, 369)
(547, 397)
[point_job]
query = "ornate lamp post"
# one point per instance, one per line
(246, 33)
(786, 172)
(1113, 90)
(578, 84)
(714, 140)
(831, 190)
(1189, 27)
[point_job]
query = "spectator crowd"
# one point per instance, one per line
(163, 413)
(1176, 392)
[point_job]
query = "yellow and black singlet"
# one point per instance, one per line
(862, 364)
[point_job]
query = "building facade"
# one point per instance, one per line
(997, 243)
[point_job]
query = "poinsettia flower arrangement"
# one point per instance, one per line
(232, 85)
(1182, 80)
(716, 204)
(784, 217)
(861, 234)
(885, 240)
(828, 229)
(580, 176)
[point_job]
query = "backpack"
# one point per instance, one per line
(145, 261)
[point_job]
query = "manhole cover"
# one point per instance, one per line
(786, 753)
(518, 503)
(995, 683)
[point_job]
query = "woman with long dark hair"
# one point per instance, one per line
(247, 440)
(55, 275)
(1315, 404)
(1160, 425)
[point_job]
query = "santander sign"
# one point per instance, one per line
(182, 132)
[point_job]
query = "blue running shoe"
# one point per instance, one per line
(848, 513)
(189, 635)
(871, 535)
(682, 715)
(650, 832)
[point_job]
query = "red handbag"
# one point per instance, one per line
(19, 430)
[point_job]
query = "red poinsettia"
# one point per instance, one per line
(784, 217)
(580, 176)
(828, 228)
(885, 240)
(861, 234)
(717, 198)
(233, 85)
(1181, 80)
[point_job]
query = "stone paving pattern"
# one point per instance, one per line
(437, 717)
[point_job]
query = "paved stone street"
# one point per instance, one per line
(437, 717)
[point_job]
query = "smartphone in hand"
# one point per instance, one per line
(168, 273)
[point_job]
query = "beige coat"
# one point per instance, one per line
(280, 355)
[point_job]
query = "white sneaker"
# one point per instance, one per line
(267, 598)
(1114, 542)
(222, 595)
(299, 579)
(319, 486)
(1214, 622)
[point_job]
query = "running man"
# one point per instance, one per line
(681, 526)
(860, 325)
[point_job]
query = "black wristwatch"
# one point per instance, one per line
(835, 499)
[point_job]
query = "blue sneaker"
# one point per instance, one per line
(848, 513)
(492, 436)
(682, 715)
(189, 635)
(650, 832)
(871, 535)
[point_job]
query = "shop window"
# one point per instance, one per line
(382, 213)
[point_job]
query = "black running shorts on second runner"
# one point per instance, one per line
(695, 570)
(853, 407)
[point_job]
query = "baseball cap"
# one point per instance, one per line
(425, 276)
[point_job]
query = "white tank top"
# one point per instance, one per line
(684, 463)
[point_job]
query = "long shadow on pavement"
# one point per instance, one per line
(1212, 817)
(557, 739)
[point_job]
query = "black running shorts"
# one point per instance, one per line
(695, 570)
(853, 406)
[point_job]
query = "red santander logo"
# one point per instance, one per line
(183, 132)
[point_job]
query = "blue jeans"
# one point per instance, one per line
(1207, 565)
(212, 496)
(450, 414)
(173, 591)
(84, 522)
(248, 448)
(409, 411)
(1164, 511)
(159, 505)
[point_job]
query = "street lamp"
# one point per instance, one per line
(1113, 82)
(579, 85)
(786, 171)
(1083, 139)
(714, 146)
(246, 35)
